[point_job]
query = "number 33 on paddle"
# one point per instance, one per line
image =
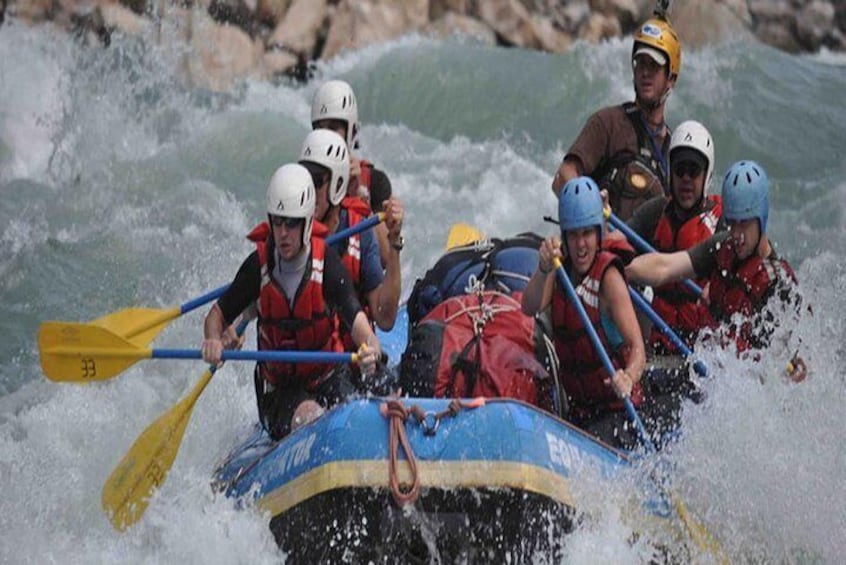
(73, 352)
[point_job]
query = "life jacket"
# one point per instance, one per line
(581, 368)
(505, 265)
(675, 303)
(308, 326)
(479, 344)
(745, 287)
(633, 178)
(357, 211)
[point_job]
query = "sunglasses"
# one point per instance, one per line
(689, 168)
(290, 223)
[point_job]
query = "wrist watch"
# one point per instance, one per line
(398, 243)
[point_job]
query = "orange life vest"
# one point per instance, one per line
(308, 326)
(675, 303)
(582, 371)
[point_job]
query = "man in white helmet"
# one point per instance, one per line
(297, 286)
(324, 154)
(689, 217)
(623, 147)
(334, 107)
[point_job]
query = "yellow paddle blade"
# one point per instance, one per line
(698, 532)
(72, 352)
(143, 469)
(462, 234)
(138, 325)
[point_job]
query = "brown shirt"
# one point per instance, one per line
(609, 152)
(606, 133)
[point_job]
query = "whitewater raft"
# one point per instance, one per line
(494, 481)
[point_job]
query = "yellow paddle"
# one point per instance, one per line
(142, 325)
(127, 491)
(462, 234)
(84, 352)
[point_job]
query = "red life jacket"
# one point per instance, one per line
(582, 371)
(308, 326)
(357, 211)
(744, 287)
(675, 303)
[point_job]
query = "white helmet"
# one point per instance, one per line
(328, 149)
(693, 135)
(291, 194)
(335, 100)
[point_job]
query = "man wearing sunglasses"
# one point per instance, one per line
(297, 286)
(623, 147)
(689, 217)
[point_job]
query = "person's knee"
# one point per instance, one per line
(308, 411)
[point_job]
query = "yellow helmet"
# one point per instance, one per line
(658, 34)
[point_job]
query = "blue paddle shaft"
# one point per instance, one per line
(331, 240)
(698, 366)
(606, 361)
(644, 247)
(269, 356)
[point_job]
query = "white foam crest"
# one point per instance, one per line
(485, 184)
(362, 59)
(31, 90)
(60, 444)
(829, 57)
(759, 459)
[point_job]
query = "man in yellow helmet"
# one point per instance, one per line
(624, 148)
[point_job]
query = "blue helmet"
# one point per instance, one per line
(580, 206)
(746, 193)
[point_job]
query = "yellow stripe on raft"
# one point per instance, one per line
(433, 474)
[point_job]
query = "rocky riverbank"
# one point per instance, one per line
(230, 40)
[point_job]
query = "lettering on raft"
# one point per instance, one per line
(563, 454)
(297, 454)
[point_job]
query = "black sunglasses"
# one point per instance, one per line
(689, 168)
(290, 223)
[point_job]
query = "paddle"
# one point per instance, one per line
(699, 366)
(697, 531)
(462, 234)
(142, 325)
(643, 245)
(127, 491)
(83, 353)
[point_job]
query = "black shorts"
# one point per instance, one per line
(277, 405)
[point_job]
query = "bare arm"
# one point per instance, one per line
(538, 292)
(615, 297)
(615, 294)
(213, 335)
(384, 299)
(370, 350)
(570, 168)
(656, 269)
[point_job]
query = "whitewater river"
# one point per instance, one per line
(119, 187)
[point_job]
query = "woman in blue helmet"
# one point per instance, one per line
(742, 268)
(597, 275)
